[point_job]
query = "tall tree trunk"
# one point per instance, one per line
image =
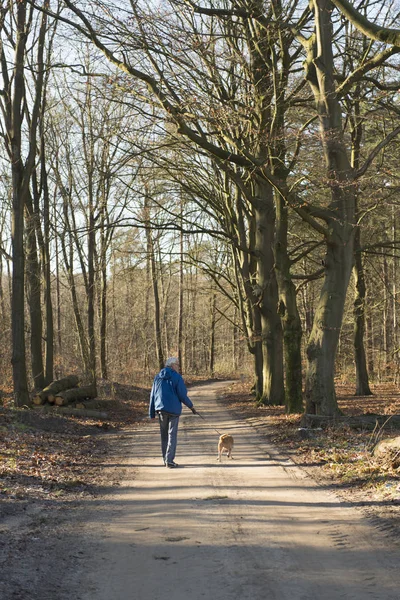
(371, 345)
(339, 218)
(69, 261)
(387, 321)
(264, 216)
(213, 314)
(15, 107)
(34, 299)
(46, 265)
(193, 322)
(2, 298)
(323, 342)
(156, 297)
(394, 298)
(362, 380)
(288, 311)
(180, 298)
(258, 367)
(18, 360)
(246, 283)
(236, 357)
(58, 294)
(35, 216)
(290, 319)
(91, 298)
(103, 321)
(146, 323)
(271, 328)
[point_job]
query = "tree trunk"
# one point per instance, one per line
(34, 299)
(211, 363)
(322, 345)
(156, 297)
(387, 320)
(91, 272)
(339, 218)
(245, 268)
(289, 314)
(258, 371)
(103, 321)
(18, 360)
(49, 338)
(271, 329)
(58, 291)
(69, 260)
(2, 300)
(362, 381)
(236, 354)
(193, 321)
(180, 298)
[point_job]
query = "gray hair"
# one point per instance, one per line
(171, 361)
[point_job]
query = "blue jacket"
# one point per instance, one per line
(168, 393)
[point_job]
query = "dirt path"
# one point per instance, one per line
(252, 528)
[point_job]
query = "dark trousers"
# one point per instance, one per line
(169, 435)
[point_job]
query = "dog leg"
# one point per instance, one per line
(219, 453)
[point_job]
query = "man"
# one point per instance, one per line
(166, 398)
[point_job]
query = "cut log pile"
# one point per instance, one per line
(74, 394)
(67, 392)
(48, 394)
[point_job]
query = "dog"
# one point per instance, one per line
(225, 444)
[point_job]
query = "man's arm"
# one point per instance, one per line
(182, 394)
(152, 410)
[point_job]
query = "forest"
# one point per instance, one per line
(215, 180)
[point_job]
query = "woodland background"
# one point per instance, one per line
(216, 181)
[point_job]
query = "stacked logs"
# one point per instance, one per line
(65, 391)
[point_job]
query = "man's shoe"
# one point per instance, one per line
(171, 465)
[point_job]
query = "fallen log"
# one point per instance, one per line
(97, 404)
(366, 422)
(79, 412)
(54, 388)
(86, 391)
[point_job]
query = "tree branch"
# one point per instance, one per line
(376, 151)
(371, 30)
(373, 63)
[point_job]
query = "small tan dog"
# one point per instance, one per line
(225, 444)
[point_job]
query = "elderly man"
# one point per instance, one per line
(166, 398)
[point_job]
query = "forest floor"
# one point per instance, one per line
(51, 467)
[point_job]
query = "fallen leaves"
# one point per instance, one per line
(49, 456)
(36, 463)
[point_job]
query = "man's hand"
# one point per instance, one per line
(194, 411)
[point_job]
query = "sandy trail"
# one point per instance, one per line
(252, 528)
